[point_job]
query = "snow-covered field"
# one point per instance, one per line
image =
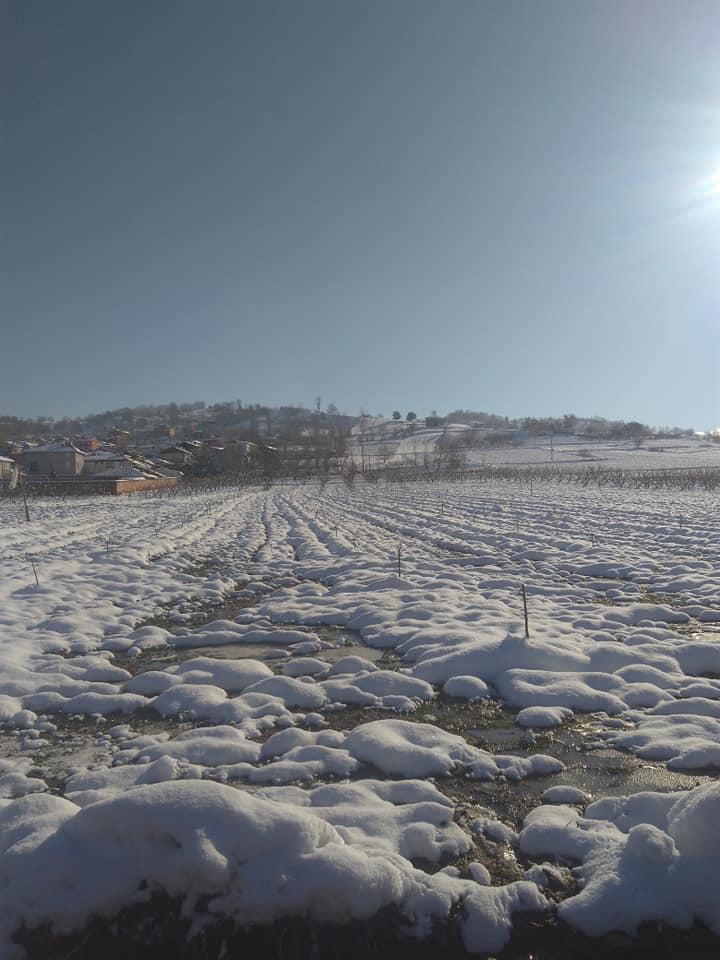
(279, 703)
(674, 454)
(395, 443)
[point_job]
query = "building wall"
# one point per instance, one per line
(87, 444)
(93, 466)
(84, 487)
(64, 463)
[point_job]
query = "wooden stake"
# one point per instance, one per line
(525, 610)
(37, 582)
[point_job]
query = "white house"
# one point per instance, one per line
(9, 472)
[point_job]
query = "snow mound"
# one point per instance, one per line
(654, 859)
(466, 688)
(339, 853)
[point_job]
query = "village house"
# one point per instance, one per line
(109, 462)
(60, 459)
(8, 473)
(176, 455)
(120, 438)
(105, 462)
(86, 444)
(234, 455)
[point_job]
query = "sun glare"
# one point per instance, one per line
(702, 195)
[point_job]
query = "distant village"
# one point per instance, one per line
(129, 450)
(145, 448)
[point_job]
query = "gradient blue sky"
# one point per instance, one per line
(505, 205)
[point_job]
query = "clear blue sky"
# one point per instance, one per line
(506, 205)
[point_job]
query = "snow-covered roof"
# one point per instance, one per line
(106, 455)
(54, 447)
